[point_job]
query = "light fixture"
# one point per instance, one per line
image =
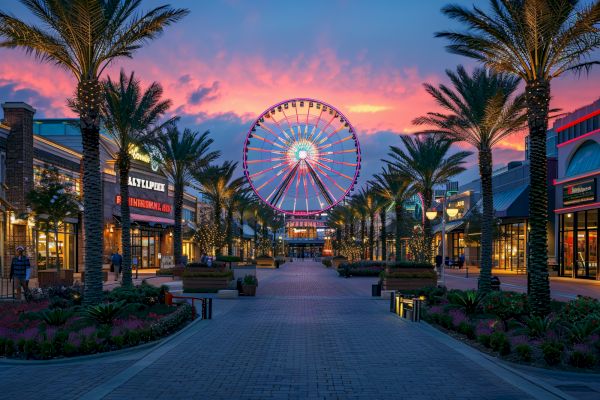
(12, 218)
(171, 234)
(452, 212)
(111, 229)
(431, 214)
(569, 215)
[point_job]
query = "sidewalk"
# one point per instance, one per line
(563, 289)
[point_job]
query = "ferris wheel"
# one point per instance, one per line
(301, 156)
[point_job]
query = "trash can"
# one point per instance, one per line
(376, 290)
(495, 283)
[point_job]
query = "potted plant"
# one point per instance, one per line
(249, 285)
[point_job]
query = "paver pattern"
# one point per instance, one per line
(308, 334)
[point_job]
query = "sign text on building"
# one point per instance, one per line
(579, 192)
(147, 204)
(146, 184)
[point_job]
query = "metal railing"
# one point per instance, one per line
(205, 307)
(408, 307)
(7, 288)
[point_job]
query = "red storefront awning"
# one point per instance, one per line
(151, 218)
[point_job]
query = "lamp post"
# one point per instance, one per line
(431, 215)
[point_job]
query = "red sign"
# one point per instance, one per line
(147, 204)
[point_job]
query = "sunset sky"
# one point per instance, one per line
(229, 60)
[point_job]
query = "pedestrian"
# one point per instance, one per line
(438, 261)
(117, 261)
(461, 261)
(20, 268)
(204, 258)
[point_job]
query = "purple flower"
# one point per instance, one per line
(483, 328)
(51, 332)
(436, 310)
(74, 339)
(28, 334)
(88, 331)
(458, 317)
(520, 339)
(582, 348)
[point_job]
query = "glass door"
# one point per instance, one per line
(567, 257)
(592, 254)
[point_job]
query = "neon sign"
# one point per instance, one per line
(146, 204)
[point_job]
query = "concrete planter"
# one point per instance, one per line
(249, 290)
(336, 262)
(266, 262)
(205, 284)
(52, 277)
(409, 281)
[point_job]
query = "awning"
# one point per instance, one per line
(151, 219)
(450, 226)
(510, 203)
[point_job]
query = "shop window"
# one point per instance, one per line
(61, 250)
(585, 159)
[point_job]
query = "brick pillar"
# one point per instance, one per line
(19, 169)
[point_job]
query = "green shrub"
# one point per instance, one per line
(395, 274)
(469, 300)
(579, 309)
(484, 339)
(409, 264)
(499, 342)
(165, 272)
(55, 317)
(228, 258)
(581, 330)
(582, 357)
(144, 293)
(538, 327)
(445, 320)
(505, 305)
(326, 263)
(170, 323)
(523, 350)
(466, 329)
(104, 314)
(208, 274)
(552, 352)
(197, 265)
(250, 280)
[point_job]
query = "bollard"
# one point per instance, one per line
(393, 302)
(210, 308)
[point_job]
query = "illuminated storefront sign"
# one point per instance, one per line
(138, 155)
(579, 192)
(147, 204)
(146, 184)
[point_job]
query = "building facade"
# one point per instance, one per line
(577, 201)
(29, 147)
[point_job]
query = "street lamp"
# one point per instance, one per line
(431, 215)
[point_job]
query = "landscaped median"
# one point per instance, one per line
(56, 324)
(501, 324)
(205, 280)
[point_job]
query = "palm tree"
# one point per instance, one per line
(359, 210)
(84, 37)
(371, 206)
(181, 154)
(537, 40)
(130, 116)
(481, 111)
(394, 188)
(425, 161)
(219, 186)
(245, 202)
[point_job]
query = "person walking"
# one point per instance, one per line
(117, 260)
(20, 267)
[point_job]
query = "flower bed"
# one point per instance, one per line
(59, 326)
(500, 323)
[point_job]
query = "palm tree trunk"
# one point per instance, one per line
(125, 222)
(88, 95)
(229, 231)
(399, 212)
(485, 170)
(363, 236)
(383, 234)
(427, 199)
(371, 235)
(537, 94)
(178, 209)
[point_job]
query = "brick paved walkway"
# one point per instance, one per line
(307, 334)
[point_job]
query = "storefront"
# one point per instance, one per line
(577, 192)
(510, 247)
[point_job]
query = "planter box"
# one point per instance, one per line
(335, 262)
(52, 277)
(249, 290)
(205, 284)
(407, 283)
(265, 263)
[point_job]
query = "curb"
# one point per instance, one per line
(520, 380)
(146, 347)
